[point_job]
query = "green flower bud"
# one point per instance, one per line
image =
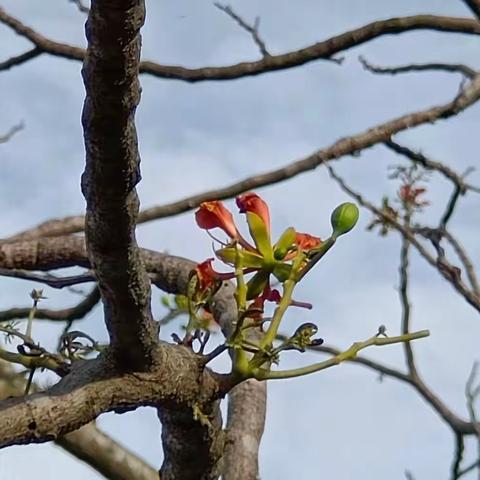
(344, 218)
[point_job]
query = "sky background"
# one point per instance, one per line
(342, 423)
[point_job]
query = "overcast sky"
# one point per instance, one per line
(342, 423)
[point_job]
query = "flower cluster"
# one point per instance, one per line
(258, 264)
(262, 259)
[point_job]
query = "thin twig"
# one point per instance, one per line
(68, 314)
(472, 466)
(474, 6)
(404, 300)
(458, 457)
(465, 259)
(17, 60)
(48, 279)
(15, 129)
(449, 209)
(472, 393)
(429, 164)
(324, 50)
(419, 67)
(251, 29)
(409, 475)
(446, 269)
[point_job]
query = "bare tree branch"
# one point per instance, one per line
(48, 279)
(252, 30)
(345, 146)
(405, 302)
(105, 455)
(171, 274)
(321, 50)
(450, 207)
(419, 67)
(378, 367)
(17, 60)
(112, 170)
(446, 270)
(472, 393)
(420, 159)
(93, 388)
(465, 259)
(45, 254)
(468, 469)
(189, 453)
(458, 456)
(455, 422)
(88, 444)
(245, 425)
(64, 315)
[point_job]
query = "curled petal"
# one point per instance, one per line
(251, 202)
(207, 276)
(215, 215)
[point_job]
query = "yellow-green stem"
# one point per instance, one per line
(241, 293)
(266, 374)
(271, 333)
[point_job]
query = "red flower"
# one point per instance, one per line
(305, 241)
(214, 215)
(207, 276)
(251, 202)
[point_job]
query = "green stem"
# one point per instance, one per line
(29, 381)
(271, 333)
(240, 357)
(288, 287)
(265, 374)
(241, 293)
(30, 362)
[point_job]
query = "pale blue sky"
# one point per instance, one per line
(340, 424)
